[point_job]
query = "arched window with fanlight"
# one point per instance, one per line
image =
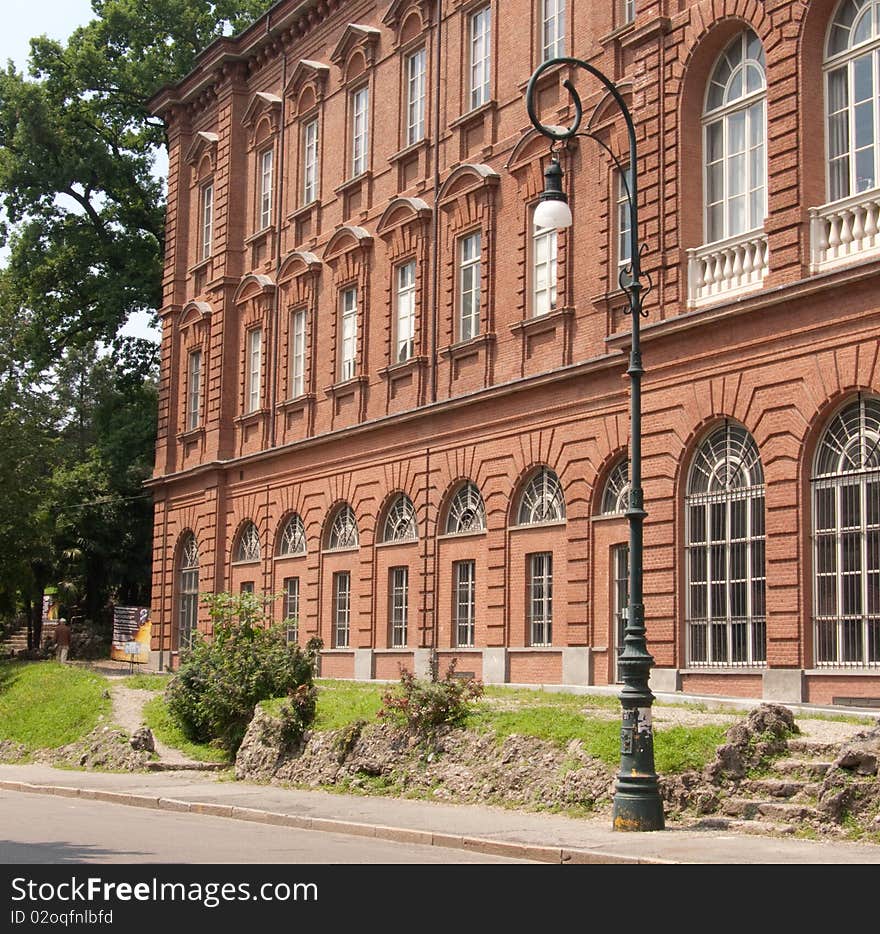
(187, 591)
(400, 521)
(724, 529)
(734, 140)
(846, 538)
(293, 538)
(466, 511)
(343, 534)
(247, 546)
(542, 499)
(615, 496)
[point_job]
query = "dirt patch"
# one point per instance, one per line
(104, 748)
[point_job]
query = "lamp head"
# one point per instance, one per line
(553, 211)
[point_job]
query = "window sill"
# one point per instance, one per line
(410, 150)
(200, 266)
(304, 211)
(618, 32)
(553, 524)
(353, 183)
(394, 370)
(725, 670)
(299, 554)
(539, 323)
(241, 564)
(463, 649)
(248, 417)
(397, 544)
(470, 346)
(472, 116)
(863, 672)
(297, 402)
(191, 434)
(344, 650)
(339, 551)
(259, 235)
(347, 387)
(451, 536)
(534, 648)
(548, 75)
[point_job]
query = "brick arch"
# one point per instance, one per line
(603, 472)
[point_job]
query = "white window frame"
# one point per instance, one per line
(404, 337)
(624, 220)
(194, 390)
(348, 328)
(544, 270)
(470, 254)
(479, 56)
(341, 609)
(298, 353)
(360, 130)
(416, 71)
(207, 219)
(310, 161)
(188, 593)
(552, 29)
(540, 593)
(254, 368)
(291, 609)
(629, 11)
(464, 577)
(267, 168)
(398, 596)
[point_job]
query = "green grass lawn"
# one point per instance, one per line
(167, 731)
(45, 704)
(147, 682)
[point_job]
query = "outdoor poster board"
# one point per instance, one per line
(131, 634)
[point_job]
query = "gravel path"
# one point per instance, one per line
(128, 709)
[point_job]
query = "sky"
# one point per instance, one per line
(56, 19)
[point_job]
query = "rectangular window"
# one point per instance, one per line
(406, 310)
(298, 353)
(266, 159)
(541, 597)
(398, 593)
(194, 390)
(469, 287)
(629, 10)
(255, 348)
(341, 609)
(246, 587)
(348, 357)
(189, 606)
(291, 609)
(544, 271)
(620, 570)
(464, 581)
(207, 219)
(479, 29)
(415, 97)
(624, 224)
(553, 29)
(310, 162)
(360, 101)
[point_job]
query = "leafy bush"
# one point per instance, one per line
(425, 705)
(219, 683)
(297, 713)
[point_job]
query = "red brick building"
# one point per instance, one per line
(384, 394)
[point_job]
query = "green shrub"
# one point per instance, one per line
(297, 713)
(423, 705)
(220, 682)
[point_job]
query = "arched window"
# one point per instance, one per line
(724, 529)
(344, 531)
(466, 511)
(400, 522)
(248, 546)
(188, 591)
(542, 499)
(615, 499)
(852, 56)
(293, 538)
(846, 538)
(734, 132)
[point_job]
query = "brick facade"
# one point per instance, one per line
(779, 360)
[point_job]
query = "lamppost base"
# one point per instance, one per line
(639, 806)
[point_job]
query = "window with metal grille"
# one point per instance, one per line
(406, 311)
(544, 272)
(293, 538)
(464, 581)
(852, 65)
(400, 522)
(398, 591)
(480, 52)
(188, 592)
(415, 97)
(542, 499)
(291, 609)
(348, 355)
(266, 160)
(310, 162)
(360, 102)
(541, 598)
(846, 539)
(466, 511)
(298, 353)
(552, 29)
(615, 498)
(341, 608)
(724, 561)
(734, 133)
(194, 390)
(344, 531)
(248, 545)
(469, 286)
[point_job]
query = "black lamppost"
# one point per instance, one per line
(637, 802)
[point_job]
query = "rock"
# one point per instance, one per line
(763, 733)
(861, 754)
(11, 751)
(104, 748)
(142, 738)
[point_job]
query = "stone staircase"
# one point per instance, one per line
(783, 798)
(14, 642)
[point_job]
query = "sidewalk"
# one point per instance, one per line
(518, 834)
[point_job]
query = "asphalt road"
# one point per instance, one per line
(43, 829)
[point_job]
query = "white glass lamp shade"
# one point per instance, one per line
(551, 214)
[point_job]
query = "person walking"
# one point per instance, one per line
(62, 640)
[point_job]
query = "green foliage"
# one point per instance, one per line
(423, 706)
(219, 683)
(147, 682)
(297, 712)
(44, 704)
(158, 718)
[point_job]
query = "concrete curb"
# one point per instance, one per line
(543, 854)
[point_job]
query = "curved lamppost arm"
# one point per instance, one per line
(637, 802)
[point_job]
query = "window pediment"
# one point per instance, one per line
(308, 73)
(253, 286)
(299, 263)
(402, 211)
(356, 37)
(203, 144)
(346, 240)
(262, 103)
(466, 178)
